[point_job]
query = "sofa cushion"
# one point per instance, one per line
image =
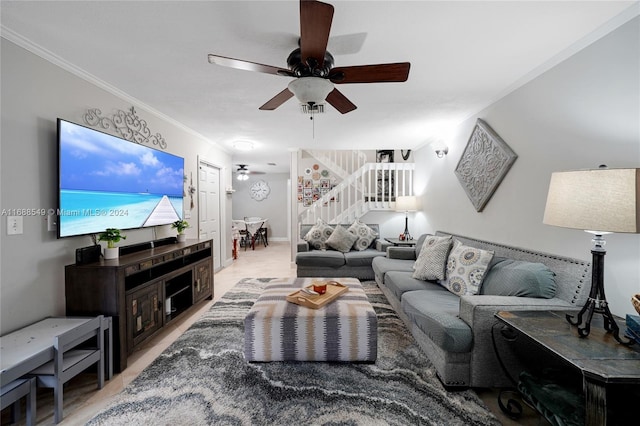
(382, 265)
(318, 258)
(436, 314)
(318, 235)
(399, 282)
(465, 269)
(432, 260)
(361, 258)
(509, 277)
(341, 239)
(366, 235)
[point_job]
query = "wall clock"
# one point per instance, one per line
(259, 190)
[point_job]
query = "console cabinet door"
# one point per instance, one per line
(203, 281)
(144, 312)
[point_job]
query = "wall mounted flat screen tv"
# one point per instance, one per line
(108, 182)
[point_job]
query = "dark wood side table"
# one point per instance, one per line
(603, 362)
(399, 242)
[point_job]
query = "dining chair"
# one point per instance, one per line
(252, 229)
(71, 358)
(261, 235)
(245, 237)
(12, 393)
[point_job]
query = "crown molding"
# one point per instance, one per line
(49, 56)
(614, 23)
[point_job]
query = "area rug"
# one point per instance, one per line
(203, 379)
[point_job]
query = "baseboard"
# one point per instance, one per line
(279, 239)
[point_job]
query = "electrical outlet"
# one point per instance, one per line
(14, 225)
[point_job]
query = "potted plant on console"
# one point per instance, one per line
(180, 226)
(111, 236)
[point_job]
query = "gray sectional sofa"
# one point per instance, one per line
(456, 332)
(311, 262)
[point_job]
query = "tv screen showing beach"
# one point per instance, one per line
(108, 182)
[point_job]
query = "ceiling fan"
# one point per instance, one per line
(312, 66)
(243, 172)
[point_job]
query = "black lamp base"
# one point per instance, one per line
(406, 234)
(597, 303)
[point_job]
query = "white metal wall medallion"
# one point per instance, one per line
(127, 125)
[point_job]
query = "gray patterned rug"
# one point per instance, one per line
(203, 379)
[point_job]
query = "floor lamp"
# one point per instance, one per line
(599, 201)
(406, 204)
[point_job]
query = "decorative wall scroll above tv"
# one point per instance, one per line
(127, 124)
(483, 164)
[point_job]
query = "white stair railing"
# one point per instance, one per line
(340, 163)
(373, 186)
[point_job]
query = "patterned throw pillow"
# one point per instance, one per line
(432, 259)
(465, 269)
(365, 235)
(341, 239)
(318, 235)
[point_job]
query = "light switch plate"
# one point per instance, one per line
(14, 225)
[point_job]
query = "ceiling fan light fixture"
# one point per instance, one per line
(312, 108)
(311, 91)
(242, 176)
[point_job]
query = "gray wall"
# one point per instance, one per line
(581, 113)
(34, 93)
(274, 207)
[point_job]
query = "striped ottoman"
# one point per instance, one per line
(344, 330)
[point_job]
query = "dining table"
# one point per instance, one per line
(251, 226)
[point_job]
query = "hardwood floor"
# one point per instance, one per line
(82, 400)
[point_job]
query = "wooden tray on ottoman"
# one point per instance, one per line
(334, 290)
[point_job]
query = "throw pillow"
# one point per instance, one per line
(365, 235)
(432, 259)
(318, 235)
(509, 277)
(341, 239)
(465, 269)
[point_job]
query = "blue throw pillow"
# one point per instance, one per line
(508, 277)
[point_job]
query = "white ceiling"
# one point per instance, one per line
(464, 55)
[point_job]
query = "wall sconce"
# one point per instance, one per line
(441, 152)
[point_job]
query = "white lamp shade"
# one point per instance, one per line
(406, 203)
(311, 89)
(605, 200)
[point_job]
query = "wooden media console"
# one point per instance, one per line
(143, 291)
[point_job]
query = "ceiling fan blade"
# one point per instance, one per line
(381, 73)
(248, 66)
(315, 25)
(277, 100)
(340, 102)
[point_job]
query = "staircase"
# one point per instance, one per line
(340, 163)
(364, 187)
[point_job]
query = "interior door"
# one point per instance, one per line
(209, 209)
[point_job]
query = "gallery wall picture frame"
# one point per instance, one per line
(384, 156)
(484, 163)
